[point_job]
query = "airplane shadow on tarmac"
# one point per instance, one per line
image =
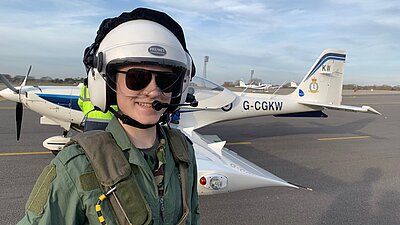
(254, 129)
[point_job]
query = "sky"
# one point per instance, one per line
(278, 39)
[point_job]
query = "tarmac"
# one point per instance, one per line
(350, 160)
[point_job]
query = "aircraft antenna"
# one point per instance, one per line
(280, 86)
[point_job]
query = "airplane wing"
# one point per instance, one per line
(221, 170)
(363, 109)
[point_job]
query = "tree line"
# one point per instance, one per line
(46, 79)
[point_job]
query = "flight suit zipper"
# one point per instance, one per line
(162, 208)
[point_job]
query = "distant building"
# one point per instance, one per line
(228, 84)
(46, 79)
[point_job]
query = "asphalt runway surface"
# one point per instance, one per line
(350, 160)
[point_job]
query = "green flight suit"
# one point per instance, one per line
(67, 190)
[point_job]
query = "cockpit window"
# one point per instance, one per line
(202, 88)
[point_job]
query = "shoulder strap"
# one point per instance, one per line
(179, 141)
(105, 155)
(180, 151)
(112, 169)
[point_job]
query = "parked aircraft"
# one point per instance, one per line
(320, 89)
(259, 86)
(220, 170)
(293, 84)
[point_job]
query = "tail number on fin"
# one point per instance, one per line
(263, 105)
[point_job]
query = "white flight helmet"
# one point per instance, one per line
(137, 41)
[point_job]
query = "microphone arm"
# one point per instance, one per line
(157, 105)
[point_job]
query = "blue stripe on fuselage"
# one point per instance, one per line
(67, 101)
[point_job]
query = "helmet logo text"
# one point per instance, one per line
(157, 50)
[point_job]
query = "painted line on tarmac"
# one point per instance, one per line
(239, 143)
(23, 153)
(343, 138)
(7, 107)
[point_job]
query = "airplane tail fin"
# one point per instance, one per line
(324, 82)
(241, 83)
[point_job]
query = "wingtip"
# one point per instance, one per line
(371, 110)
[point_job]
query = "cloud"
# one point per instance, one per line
(47, 34)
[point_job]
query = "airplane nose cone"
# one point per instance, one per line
(9, 95)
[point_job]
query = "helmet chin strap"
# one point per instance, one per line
(129, 121)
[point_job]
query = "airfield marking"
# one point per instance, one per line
(343, 138)
(239, 143)
(23, 153)
(7, 107)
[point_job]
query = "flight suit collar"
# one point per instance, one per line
(135, 155)
(123, 141)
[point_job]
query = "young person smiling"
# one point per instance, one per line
(137, 171)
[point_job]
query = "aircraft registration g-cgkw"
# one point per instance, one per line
(220, 170)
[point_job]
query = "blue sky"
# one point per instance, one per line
(278, 39)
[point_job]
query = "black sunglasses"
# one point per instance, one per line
(138, 79)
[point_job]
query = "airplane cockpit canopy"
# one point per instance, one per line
(209, 94)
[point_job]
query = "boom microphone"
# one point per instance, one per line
(157, 105)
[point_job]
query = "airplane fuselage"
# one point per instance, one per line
(248, 105)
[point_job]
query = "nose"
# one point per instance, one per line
(9, 95)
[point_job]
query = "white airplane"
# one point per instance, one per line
(259, 86)
(293, 84)
(320, 89)
(220, 170)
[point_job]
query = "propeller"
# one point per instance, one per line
(18, 117)
(19, 109)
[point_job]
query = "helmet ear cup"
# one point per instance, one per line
(190, 64)
(97, 86)
(193, 68)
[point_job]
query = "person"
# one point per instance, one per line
(93, 119)
(137, 171)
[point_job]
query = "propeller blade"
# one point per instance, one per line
(8, 83)
(18, 117)
(29, 70)
(26, 77)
